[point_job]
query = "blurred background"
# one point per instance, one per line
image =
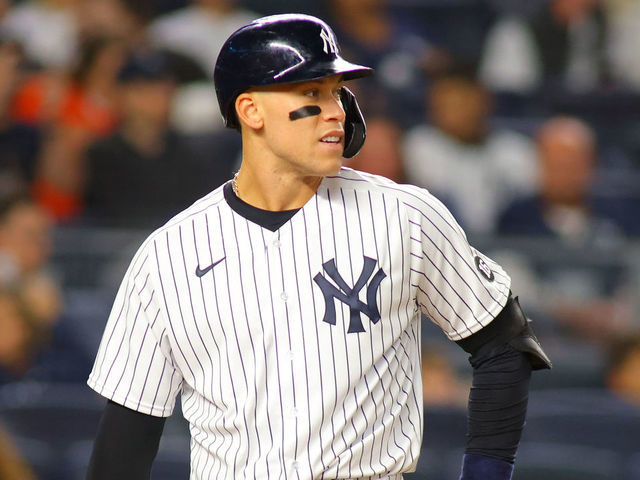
(523, 117)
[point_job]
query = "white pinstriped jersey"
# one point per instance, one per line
(297, 352)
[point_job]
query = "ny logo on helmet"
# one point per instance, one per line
(328, 42)
(349, 296)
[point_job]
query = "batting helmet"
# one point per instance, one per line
(280, 49)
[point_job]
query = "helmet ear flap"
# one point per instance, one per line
(355, 129)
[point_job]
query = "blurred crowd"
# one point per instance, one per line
(523, 117)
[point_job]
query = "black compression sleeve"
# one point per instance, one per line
(497, 402)
(126, 444)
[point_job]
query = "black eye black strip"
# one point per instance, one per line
(306, 111)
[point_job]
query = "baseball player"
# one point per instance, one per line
(285, 306)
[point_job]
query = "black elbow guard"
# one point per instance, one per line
(527, 342)
(512, 327)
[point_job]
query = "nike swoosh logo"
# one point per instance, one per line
(200, 272)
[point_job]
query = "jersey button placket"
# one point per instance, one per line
(277, 244)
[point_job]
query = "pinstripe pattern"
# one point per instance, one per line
(269, 388)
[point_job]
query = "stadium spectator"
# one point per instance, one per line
(623, 20)
(146, 172)
(38, 341)
(584, 301)
(473, 167)
(195, 109)
(83, 96)
(25, 236)
(561, 47)
(48, 29)
(181, 33)
(104, 28)
(25, 250)
(201, 22)
(31, 348)
(397, 47)
(31, 301)
(564, 205)
(85, 110)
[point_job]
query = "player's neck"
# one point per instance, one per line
(274, 191)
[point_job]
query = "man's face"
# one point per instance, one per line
(303, 126)
(567, 164)
(568, 10)
(26, 235)
(148, 101)
(459, 108)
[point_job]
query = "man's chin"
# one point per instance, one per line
(334, 167)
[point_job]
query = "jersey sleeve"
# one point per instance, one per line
(458, 288)
(134, 365)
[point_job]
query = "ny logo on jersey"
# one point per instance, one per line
(349, 296)
(328, 42)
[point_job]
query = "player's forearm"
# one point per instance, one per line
(126, 444)
(498, 403)
(503, 355)
(497, 411)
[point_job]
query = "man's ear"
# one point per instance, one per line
(247, 111)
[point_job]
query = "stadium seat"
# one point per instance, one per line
(172, 461)
(41, 457)
(444, 428)
(536, 461)
(443, 443)
(632, 468)
(46, 419)
(583, 417)
(54, 413)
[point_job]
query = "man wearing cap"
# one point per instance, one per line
(146, 172)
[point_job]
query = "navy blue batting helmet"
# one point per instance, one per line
(277, 49)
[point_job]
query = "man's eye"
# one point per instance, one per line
(311, 93)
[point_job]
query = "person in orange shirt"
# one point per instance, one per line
(82, 98)
(77, 110)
